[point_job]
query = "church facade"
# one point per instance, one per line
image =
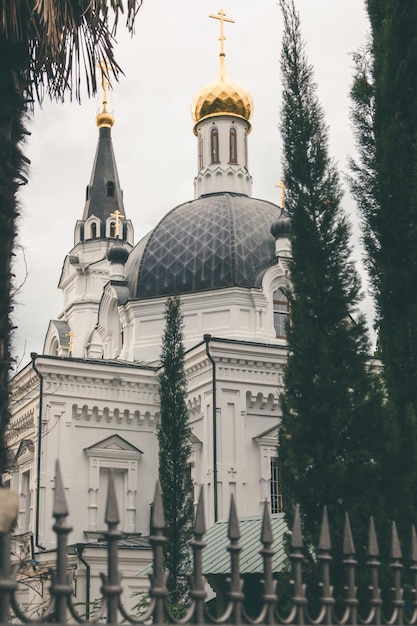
(91, 398)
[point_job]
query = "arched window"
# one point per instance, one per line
(110, 189)
(54, 347)
(214, 145)
(200, 153)
(93, 230)
(281, 313)
(232, 146)
(112, 229)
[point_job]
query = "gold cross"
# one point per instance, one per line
(70, 336)
(105, 69)
(281, 185)
(118, 217)
(221, 15)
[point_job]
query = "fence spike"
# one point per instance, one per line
(158, 517)
(200, 518)
(112, 510)
(373, 549)
(60, 508)
(233, 531)
(325, 542)
(297, 535)
(348, 543)
(396, 552)
(413, 544)
(266, 533)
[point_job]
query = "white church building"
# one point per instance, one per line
(91, 398)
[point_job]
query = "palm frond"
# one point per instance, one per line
(65, 40)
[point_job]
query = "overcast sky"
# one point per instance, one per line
(173, 53)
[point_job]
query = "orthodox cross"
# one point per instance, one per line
(70, 336)
(118, 217)
(105, 69)
(221, 15)
(281, 185)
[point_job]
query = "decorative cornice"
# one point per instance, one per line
(27, 383)
(88, 413)
(261, 401)
(194, 405)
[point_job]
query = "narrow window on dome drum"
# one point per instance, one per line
(214, 139)
(281, 313)
(93, 230)
(200, 153)
(112, 229)
(232, 146)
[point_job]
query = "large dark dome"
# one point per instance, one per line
(220, 240)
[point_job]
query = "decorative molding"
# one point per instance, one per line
(194, 405)
(87, 413)
(261, 402)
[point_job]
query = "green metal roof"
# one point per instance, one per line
(216, 558)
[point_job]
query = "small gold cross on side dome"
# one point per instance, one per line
(281, 185)
(118, 217)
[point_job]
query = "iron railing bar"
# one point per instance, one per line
(131, 619)
(223, 618)
(49, 611)
(291, 617)
(348, 613)
(181, 620)
(92, 620)
(255, 620)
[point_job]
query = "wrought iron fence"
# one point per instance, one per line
(61, 608)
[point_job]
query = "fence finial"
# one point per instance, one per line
(348, 543)
(266, 533)
(60, 508)
(112, 517)
(325, 542)
(297, 535)
(396, 552)
(373, 549)
(200, 518)
(413, 556)
(158, 517)
(233, 532)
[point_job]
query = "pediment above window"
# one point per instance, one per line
(114, 447)
(268, 437)
(25, 447)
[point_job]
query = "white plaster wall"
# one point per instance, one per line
(237, 313)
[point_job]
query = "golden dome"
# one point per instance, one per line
(222, 97)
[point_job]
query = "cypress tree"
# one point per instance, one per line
(332, 438)
(174, 454)
(384, 182)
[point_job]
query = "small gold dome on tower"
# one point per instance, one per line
(220, 97)
(105, 119)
